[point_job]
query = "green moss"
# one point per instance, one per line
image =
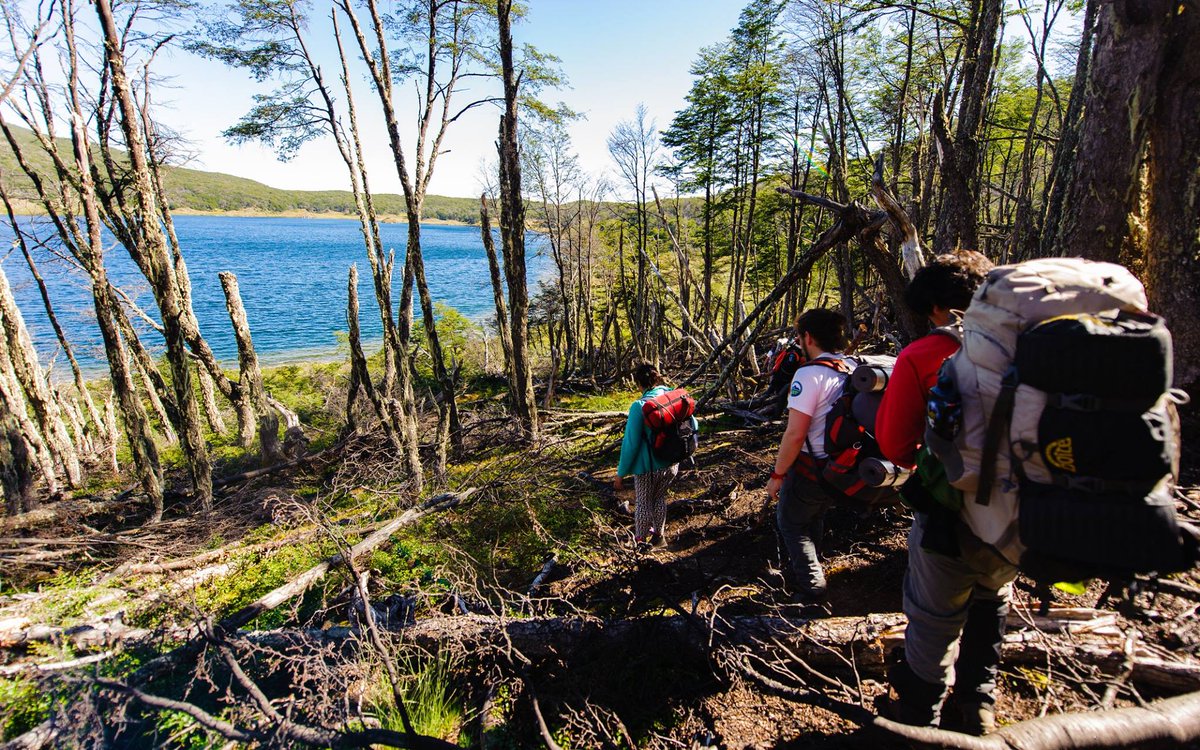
(23, 705)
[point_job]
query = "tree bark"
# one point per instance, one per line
(961, 158)
(251, 376)
(489, 246)
(512, 230)
(17, 468)
(1104, 189)
(33, 381)
(1172, 268)
(153, 258)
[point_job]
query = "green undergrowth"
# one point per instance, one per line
(23, 705)
(615, 401)
(435, 704)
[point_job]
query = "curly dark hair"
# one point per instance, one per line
(827, 327)
(948, 282)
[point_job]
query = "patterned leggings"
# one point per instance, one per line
(650, 513)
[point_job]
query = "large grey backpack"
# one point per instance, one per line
(1057, 420)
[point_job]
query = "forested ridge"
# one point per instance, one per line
(189, 189)
(421, 546)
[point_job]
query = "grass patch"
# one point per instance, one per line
(434, 703)
(615, 401)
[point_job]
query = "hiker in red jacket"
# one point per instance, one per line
(956, 588)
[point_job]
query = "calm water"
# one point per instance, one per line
(292, 274)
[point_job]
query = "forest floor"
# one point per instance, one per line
(88, 566)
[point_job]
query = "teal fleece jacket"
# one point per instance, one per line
(636, 456)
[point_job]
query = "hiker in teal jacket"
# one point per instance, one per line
(651, 477)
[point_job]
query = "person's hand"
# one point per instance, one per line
(618, 484)
(774, 484)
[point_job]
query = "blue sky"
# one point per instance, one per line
(615, 53)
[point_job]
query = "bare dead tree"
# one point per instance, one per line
(152, 256)
(512, 229)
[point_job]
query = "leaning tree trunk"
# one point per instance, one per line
(251, 376)
(153, 258)
(958, 222)
(13, 405)
(37, 390)
(489, 246)
(512, 230)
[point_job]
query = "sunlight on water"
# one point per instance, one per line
(292, 274)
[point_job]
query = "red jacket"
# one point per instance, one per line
(900, 421)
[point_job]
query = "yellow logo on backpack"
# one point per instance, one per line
(1061, 454)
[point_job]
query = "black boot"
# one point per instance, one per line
(971, 708)
(911, 700)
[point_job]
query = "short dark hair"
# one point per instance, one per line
(948, 282)
(646, 375)
(827, 327)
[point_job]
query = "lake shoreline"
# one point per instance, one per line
(29, 208)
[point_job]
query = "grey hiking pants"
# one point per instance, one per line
(939, 593)
(800, 518)
(650, 512)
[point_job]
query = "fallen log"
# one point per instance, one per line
(1173, 720)
(829, 643)
(76, 510)
(159, 666)
(266, 470)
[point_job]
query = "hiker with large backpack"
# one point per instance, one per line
(801, 501)
(660, 432)
(956, 588)
(1051, 445)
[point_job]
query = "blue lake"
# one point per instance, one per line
(292, 274)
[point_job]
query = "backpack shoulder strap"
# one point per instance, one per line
(838, 365)
(953, 330)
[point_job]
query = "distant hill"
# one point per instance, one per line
(196, 190)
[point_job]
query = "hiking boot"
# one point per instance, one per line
(977, 668)
(909, 699)
(657, 539)
(974, 718)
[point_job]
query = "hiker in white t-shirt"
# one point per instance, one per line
(802, 503)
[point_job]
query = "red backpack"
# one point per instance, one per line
(669, 419)
(855, 469)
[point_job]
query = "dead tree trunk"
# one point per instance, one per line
(96, 424)
(33, 381)
(489, 246)
(251, 376)
(359, 376)
(512, 230)
(12, 403)
(153, 258)
(212, 411)
(18, 469)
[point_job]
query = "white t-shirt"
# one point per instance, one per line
(814, 389)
